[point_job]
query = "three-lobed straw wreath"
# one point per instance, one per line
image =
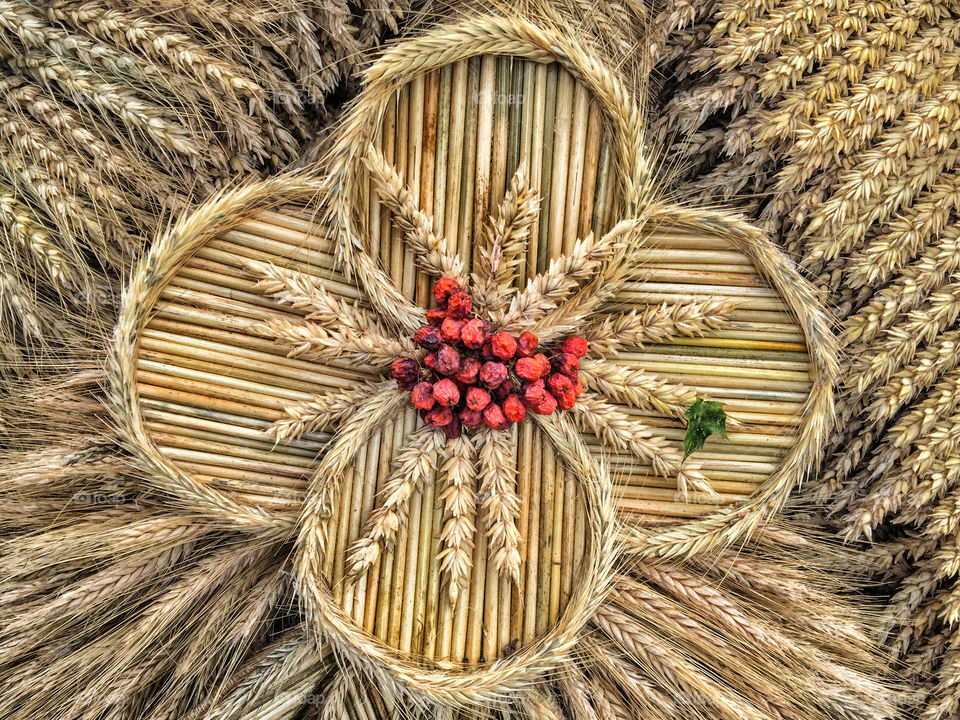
(400, 64)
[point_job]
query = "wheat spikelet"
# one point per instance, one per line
(505, 239)
(616, 430)
(416, 225)
(313, 415)
(459, 501)
(413, 466)
(636, 388)
(498, 497)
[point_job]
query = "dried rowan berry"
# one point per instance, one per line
(471, 418)
(438, 417)
(474, 333)
(575, 345)
(430, 361)
(469, 369)
(533, 393)
(503, 390)
(452, 429)
(450, 329)
(436, 316)
(577, 387)
(406, 372)
(567, 364)
(422, 396)
(565, 401)
(428, 337)
(492, 374)
(527, 344)
(477, 398)
(444, 288)
(459, 305)
(547, 406)
(504, 345)
(544, 364)
(529, 369)
(514, 408)
(559, 385)
(494, 418)
(446, 392)
(486, 351)
(448, 360)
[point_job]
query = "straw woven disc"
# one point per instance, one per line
(207, 385)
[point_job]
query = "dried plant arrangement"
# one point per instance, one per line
(282, 506)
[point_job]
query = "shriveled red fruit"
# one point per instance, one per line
(436, 316)
(452, 429)
(514, 408)
(438, 417)
(503, 389)
(527, 344)
(559, 385)
(493, 374)
(446, 392)
(565, 401)
(474, 333)
(533, 393)
(486, 351)
(544, 364)
(469, 369)
(406, 372)
(503, 345)
(576, 346)
(529, 369)
(428, 337)
(444, 288)
(494, 418)
(448, 360)
(430, 361)
(566, 363)
(477, 398)
(547, 406)
(459, 305)
(450, 329)
(422, 396)
(577, 387)
(471, 418)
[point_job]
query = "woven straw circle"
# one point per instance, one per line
(188, 312)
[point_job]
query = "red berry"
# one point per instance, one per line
(428, 337)
(533, 393)
(575, 345)
(493, 417)
(448, 360)
(528, 368)
(430, 361)
(406, 372)
(504, 345)
(471, 418)
(527, 344)
(514, 408)
(474, 333)
(503, 390)
(547, 406)
(559, 385)
(577, 387)
(422, 396)
(450, 329)
(486, 351)
(459, 305)
(446, 392)
(444, 288)
(469, 368)
(565, 401)
(452, 429)
(544, 364)
(492, 374)
(477, 398)
(436, 316)
(438, 417)
(566, 363)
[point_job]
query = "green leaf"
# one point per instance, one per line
(704, 418)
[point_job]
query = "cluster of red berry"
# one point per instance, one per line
(472, 374)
